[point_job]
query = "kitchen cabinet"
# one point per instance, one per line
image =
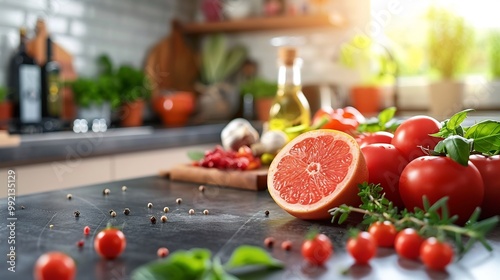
(265, 24)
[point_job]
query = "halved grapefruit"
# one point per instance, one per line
(316, 171)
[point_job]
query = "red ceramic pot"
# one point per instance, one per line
(175, 108)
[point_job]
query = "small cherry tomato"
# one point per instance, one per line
(381, 137)
(317, 250)
(54, 265)
(413, 133)
(110, 243)
(384, 233)
(407, 243)
(362, 247)
(435, 254)
(488, 168)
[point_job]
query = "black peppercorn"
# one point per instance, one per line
(153, 220)
(126, 211)
(76, 213)
(266, 213)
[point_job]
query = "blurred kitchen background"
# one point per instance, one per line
(207, 61)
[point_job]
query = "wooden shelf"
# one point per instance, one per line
(265, 23)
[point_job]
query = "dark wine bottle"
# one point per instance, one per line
(24, 86)
(51, 86)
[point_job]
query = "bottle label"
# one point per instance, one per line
(30, 101)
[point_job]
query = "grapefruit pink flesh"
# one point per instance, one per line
(315, 172)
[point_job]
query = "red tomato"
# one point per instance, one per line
(407, 243)
(435, 254)
(54, 265)
(382, 137)
(413, 133)
(384, 233)
(385, 164)
(110, 243)
(346, 119)
(317, 250)
(362, 248)
(353, 113)
(437, 177)
(489, 167)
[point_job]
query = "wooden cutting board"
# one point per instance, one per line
(250, 180)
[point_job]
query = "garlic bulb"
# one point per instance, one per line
(271, 142)
(237, 133)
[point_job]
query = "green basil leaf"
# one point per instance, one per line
(217, 272)
(180, 265)
(456, 120)
(247, 255)
(195, 155)
(458, 149)
(486, 135)
(386, 115)
(440, 147)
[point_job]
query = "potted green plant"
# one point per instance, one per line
(374, 68)
(494, 63)
(263, 93)
(450, 41)
(134, 90)
(219, 100)
(5, 108)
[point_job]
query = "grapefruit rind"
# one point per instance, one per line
(346, 189)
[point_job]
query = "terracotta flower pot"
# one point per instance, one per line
(131, 113)
(263, 106)
(366, 99)
(5, 114)
(175, 108)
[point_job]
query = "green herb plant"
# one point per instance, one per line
(450, 41)
(3, 94)
(433, 220)
(383, 122)
(259, 88)
(460, 142)
(197, 263)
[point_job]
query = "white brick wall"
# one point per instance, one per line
(124, 29)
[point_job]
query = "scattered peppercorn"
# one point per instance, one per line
(150, 205)
(163, 219)
(51, 226)
(76, 213)
(178, 200)
(201, 188)
(166, 209)
(86, 230)
(126, 211)
(269, 242)
(113, 214)
(162, 252)
(286, 245)
(69, 196)
(153, 220)
(111, 210)
(124, 188)
(22, 207)
(191, 211)
(80, 243)
(106, 191)
(205, 212)
(266, 213)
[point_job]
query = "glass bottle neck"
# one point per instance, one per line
(288, 77)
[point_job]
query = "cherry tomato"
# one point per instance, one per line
(54, 265)
(413, 133)
(384, 233)
(110, 243)
(385, 164)
(317, 250)
(362, 248)
(407, 243)
(382, 137)
(489, 167)
(435, 254)
(437, 177)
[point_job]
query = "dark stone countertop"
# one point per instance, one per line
(39, 148)
(236, 217)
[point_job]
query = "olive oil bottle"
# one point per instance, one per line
(290, 110)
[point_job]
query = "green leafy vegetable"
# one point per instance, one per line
(486, 135)
(383, 122)
(433, 220)
(196, 264)
(452, 126)
(457, 147)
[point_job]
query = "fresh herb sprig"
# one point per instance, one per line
(462, 141)
(383, 122)
(433, 220)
